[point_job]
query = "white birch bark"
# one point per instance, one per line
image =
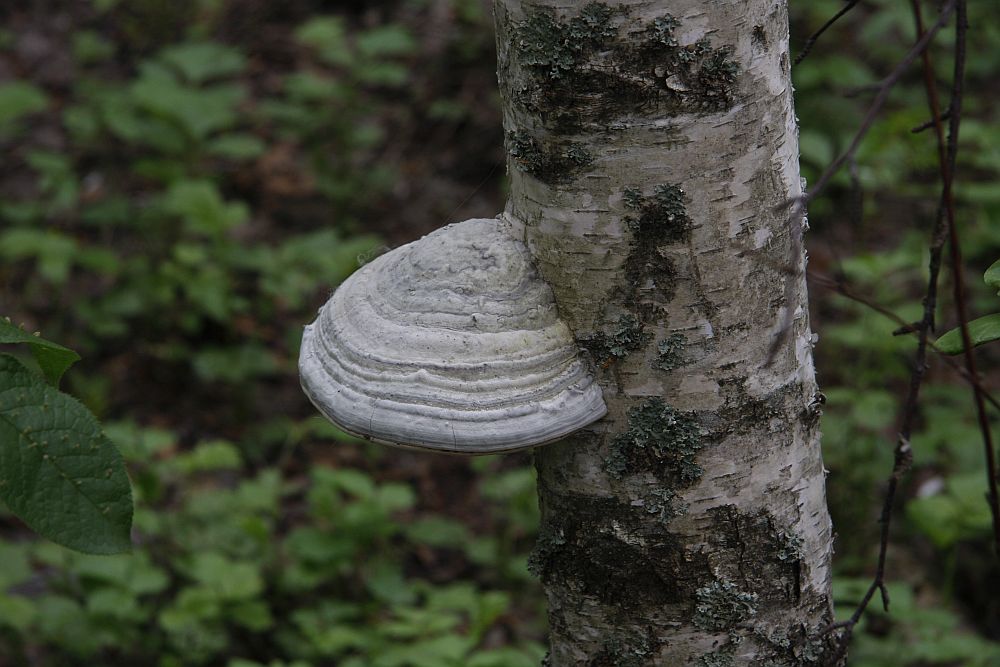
(650, 142)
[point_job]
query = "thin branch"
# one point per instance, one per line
(958, 278)
(903, 452)
(884, 88)
(930, 123)
(798, 205)
(807, 47)
(842, 288)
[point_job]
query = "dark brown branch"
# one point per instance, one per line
(845, 290)
(903, 452)
(798, 205)
(807, 47)
(958, 278)
(884, 88)
(930, 124)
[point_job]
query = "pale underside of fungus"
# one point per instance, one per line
(450, 343)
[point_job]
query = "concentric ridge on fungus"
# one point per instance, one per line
(450, 343)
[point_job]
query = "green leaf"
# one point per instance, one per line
(502, 657)
(386, 41)
(227, 579)
(982, 330)
(199, 62)
(327, 36)
(960, 512)
(58, 472)
(438, 531)
(992, 276)
(202, 207)
(198, 111)
(17, 612)
(18, 98)
(89, 46)
(236, 146)
(53, 251)
(208, 456)
(52, 358)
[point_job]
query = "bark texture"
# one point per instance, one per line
(649, 143)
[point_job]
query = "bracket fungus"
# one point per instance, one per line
(451, 343)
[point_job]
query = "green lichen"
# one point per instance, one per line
(722, 657)
(550, 539)
(790, 547)
(721, 606)
(670, 352)
(624, 650)
(716, 78)
(553, 48)
(612, 551)
(662, 217)
(659, 439)
(662, 31)
(583, 69)
(663, 503)
(657, 219)
(549, 163)
(800, 646)
(766, 554)
(626, 337)
(759, 37)
(696, 77)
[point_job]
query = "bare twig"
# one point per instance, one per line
(930, 123)
(884, 88)
(797, 206)
(903, 453)
(958, 278)
(842, 288)
(807, 47)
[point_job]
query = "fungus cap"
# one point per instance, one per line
(450, 343)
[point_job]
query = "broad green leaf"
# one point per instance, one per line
(199, 111)
(54, 252)
(17, 612)
(236, 146)
(992, 276)
(502, 657)
(199, 62)
(89, 46)
(19, 98)
(327, 36)
(227, 579)
(203, 209)
(310, 86)
(960, 512)
(52, 358)
(208, 456)
(438, 531)
(16, 567)
(386, 41)
(58, 472)
(982, 330)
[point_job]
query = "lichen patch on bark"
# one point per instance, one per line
(659, 440)
(548, 161)
(589, 68)
(664, 255)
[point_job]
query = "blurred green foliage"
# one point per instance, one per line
(179, 207)
(298, 570)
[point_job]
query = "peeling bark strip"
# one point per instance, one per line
(649, 142)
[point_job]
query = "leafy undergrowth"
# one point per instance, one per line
(183, 183)
(274, 566)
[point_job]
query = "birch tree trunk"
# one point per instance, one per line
(649, 143)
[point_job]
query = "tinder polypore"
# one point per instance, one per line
(450, 343)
